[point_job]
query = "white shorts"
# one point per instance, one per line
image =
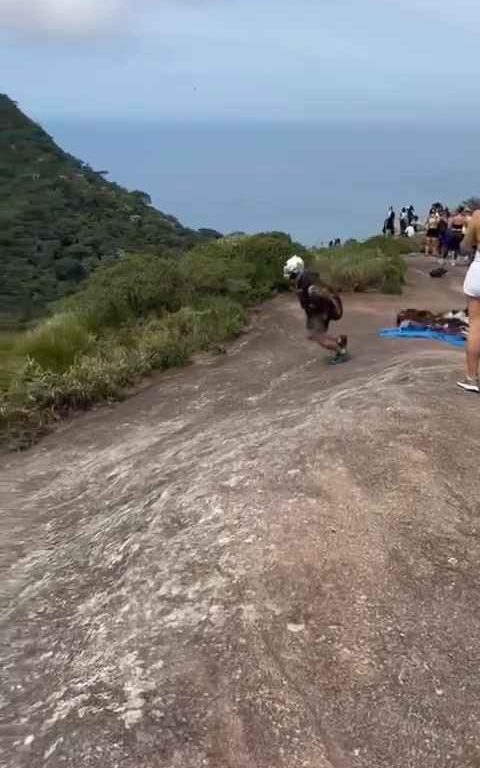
(471, 286)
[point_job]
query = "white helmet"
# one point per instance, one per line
(293, 267)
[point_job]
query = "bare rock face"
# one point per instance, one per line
(259, 561)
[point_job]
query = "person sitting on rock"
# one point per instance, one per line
(321, 305)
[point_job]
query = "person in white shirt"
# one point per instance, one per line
(471, 289)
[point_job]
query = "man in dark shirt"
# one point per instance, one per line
(321, 305)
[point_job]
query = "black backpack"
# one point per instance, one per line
(337, 308)
(438, 272)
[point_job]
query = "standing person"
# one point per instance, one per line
(431, 243)
(457, 229)
(321, 305)
(469, 254)
(389, 226)
(411, 215)
(443, 235)
(471, 289)
(403, 221)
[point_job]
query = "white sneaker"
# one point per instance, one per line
(469, 385)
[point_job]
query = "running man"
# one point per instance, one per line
(321, 305)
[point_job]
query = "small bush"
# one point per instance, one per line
(360, 268)
(8, 358)
(267, 253)
(217, 268)
(55, 343)
(41, 393)
(390, 246)
(130, 289)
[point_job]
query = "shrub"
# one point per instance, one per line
(248, 268)
(8, 357)
(390, 246)
(360, 269)
(130, 289)
(141, 285)
(267, 253)
(55, 343)
(217, 268)
(41, 393)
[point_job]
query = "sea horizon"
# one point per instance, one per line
(315, 180)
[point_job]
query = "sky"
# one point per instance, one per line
(307, 60)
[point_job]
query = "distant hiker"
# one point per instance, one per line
(442, 235)
(431, 242)
(456, 231)
(411, 214)
(389, 225)
(338, 242)
(331, 244)
(321, 305)
(403, 221)
(471, 289)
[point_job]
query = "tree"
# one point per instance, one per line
(141, 197)
(210, 233)
(473, 203)
(70, 269)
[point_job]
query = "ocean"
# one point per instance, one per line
(315, 181)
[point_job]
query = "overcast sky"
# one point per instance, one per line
(230, 59)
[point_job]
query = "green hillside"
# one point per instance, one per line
(59, 219)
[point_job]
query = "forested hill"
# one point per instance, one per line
(59, 218)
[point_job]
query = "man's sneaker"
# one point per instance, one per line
(469, 385)
(342, 356)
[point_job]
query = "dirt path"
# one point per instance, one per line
(256, 562)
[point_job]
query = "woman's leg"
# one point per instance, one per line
(456, 247)
(473, 343)
(443, 248)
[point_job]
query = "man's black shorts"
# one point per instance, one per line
(319, 319)
(318, 322)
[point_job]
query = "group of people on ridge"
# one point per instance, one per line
(408, 222)
(445, 231)
(322, 304)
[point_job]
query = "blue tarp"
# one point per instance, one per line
(422, 333)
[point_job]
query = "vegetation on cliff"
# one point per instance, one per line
(148, 312)
(60, 219)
